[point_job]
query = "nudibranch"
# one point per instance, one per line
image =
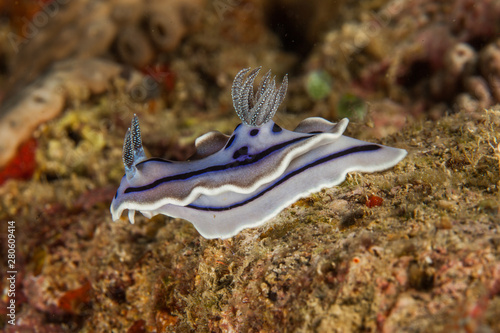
(242, 180)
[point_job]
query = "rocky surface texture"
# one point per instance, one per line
(412, 249)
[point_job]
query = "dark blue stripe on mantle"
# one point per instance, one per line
(325, 159)
(183, 176)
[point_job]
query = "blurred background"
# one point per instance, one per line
(374, 61)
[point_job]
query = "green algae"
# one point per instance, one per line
(318, 84)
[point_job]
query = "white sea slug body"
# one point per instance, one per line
(242, 180)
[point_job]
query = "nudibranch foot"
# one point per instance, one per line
(242, 180)
(131, 216)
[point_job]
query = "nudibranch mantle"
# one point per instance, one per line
(242, 180)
